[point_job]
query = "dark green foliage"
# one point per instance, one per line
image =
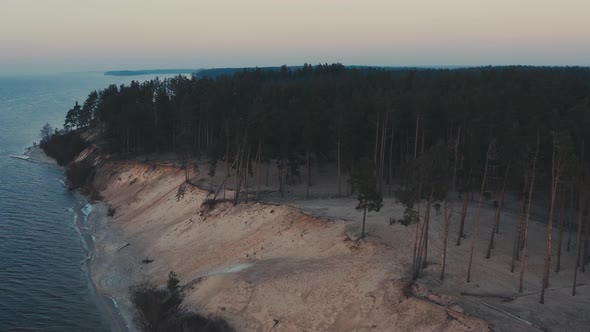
(173, 283)
(317, 113)
(410, 217)
(364, 181)
(111, 212)
(180, 192)
(212, 163)
(63, 147)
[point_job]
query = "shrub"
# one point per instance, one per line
(173, 283)
(112, 211)
(159, 311)
(63, 147)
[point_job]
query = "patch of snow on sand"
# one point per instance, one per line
(230, 269)
(86, 211)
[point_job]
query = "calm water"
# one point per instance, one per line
(43, 281)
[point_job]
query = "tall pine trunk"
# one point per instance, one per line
(496, 227)
(427, 227)
(390, 174)
(526, 224)
(447, 219)
(416, 136)
(414, 268)
(571, 217)
(518, 230)
(477, 215)
(555, 184)
(560, 238)
(463, 216)
(258, 172)
(456, 160)
(339, 170)
(308, 179)
(364, 218)
(247, 174)
(580, 221)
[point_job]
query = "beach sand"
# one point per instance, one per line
(295, 264)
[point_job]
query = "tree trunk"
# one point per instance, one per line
(526, 224)
(419, 255)
(585, 253)
(571, 217)
(258, 172)
(247, 173)
(476, 223)
(580, 220)
(223, 183)
(463, 215)
(382, 158)
(424, 262)
(456, 160)
(267, 168)
(416, 136)
(414, 269)
(498, 212)
(227, 168)
(545, 282)
(518, 230)
(390, 174)
(339, 172)
(376, 143)
(364, 217)
(560, 238)
(308, 180)
(238, 176)
(447, 219)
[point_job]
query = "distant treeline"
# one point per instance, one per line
(150, 72)
(330, 113)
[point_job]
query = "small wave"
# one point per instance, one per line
(115, 303)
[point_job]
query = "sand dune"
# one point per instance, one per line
(265, 266)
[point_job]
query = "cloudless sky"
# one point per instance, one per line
(94, 35)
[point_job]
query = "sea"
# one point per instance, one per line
(44, 281)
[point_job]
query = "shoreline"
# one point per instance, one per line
(259, 263)
(108, 307)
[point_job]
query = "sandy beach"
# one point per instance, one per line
(299, 266)
(294, 264)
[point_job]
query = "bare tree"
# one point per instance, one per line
(476, 223)
(447, 218)
(582, 207)
(496, 227)
(528, 213)
(559, 160)
(464, 208)
(518, 230)
(560, 238)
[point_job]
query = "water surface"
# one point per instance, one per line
(44, 284)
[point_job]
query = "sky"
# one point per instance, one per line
(50, 36)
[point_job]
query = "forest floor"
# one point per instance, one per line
(294, 264)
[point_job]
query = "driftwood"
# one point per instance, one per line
(123, 247)
(509, 314)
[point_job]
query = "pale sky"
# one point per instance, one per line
(96, 35)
